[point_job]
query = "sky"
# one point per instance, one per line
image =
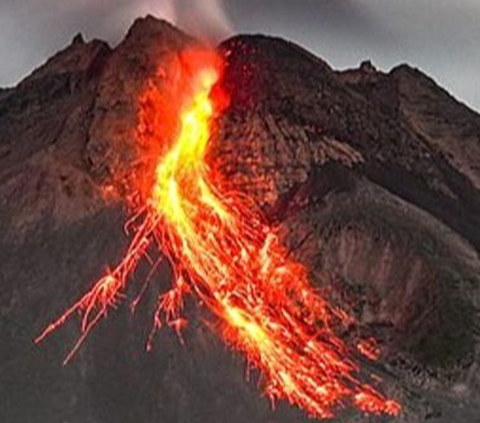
(440, 37)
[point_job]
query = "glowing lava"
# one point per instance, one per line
(223, 252)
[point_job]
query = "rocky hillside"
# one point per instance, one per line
(373, 179)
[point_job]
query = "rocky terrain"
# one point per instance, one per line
(373, 179)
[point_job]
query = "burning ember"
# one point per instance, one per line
(222, 251)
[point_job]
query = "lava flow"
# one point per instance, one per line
(222, 251)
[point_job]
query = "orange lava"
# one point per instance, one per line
(369, 348)
(222, 251)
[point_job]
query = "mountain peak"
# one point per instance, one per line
(150, 25)
(78, 39)
(78, 57)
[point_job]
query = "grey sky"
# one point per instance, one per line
(439, 36)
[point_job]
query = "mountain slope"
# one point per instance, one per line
(372, 179)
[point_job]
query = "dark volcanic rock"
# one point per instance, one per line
(367, 184)
(372, 178)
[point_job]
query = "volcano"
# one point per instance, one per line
(372, 179)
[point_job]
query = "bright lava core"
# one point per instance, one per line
(222, 251)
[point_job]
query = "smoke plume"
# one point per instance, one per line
(204, 19)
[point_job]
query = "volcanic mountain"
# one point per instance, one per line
(372, 178)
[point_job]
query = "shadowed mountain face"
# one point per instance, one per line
(373, 180)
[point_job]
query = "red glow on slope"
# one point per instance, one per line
(222, 251)
(369, 348)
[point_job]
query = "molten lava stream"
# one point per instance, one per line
(222, 251)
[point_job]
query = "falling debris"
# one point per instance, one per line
(224, 253)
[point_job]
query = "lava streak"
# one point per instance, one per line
(223, 252)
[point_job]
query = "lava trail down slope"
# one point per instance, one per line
(364, 183)
(223, 251)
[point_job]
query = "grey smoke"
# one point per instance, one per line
(439, 36)
(206, 19)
